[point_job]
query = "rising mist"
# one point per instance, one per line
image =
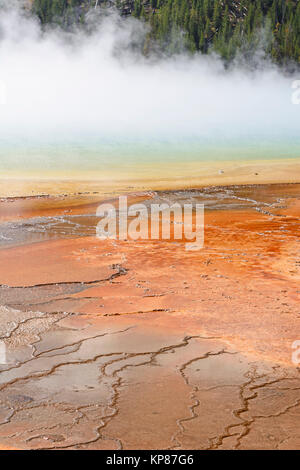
(97, 91)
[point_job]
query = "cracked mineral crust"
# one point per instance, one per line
(142, 344)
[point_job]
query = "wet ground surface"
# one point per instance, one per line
(141, 344)
(266, 199)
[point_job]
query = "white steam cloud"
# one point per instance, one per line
(95, 88)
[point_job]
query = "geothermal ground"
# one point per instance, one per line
(142, 344)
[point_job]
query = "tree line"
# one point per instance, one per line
(224, 26)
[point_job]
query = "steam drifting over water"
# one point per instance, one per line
(87, 99)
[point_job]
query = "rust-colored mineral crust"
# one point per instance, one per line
(142, 344)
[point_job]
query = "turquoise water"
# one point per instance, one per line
(107, 155)
(88, 105)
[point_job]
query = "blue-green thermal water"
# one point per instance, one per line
(123, 156)
(89, 102)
